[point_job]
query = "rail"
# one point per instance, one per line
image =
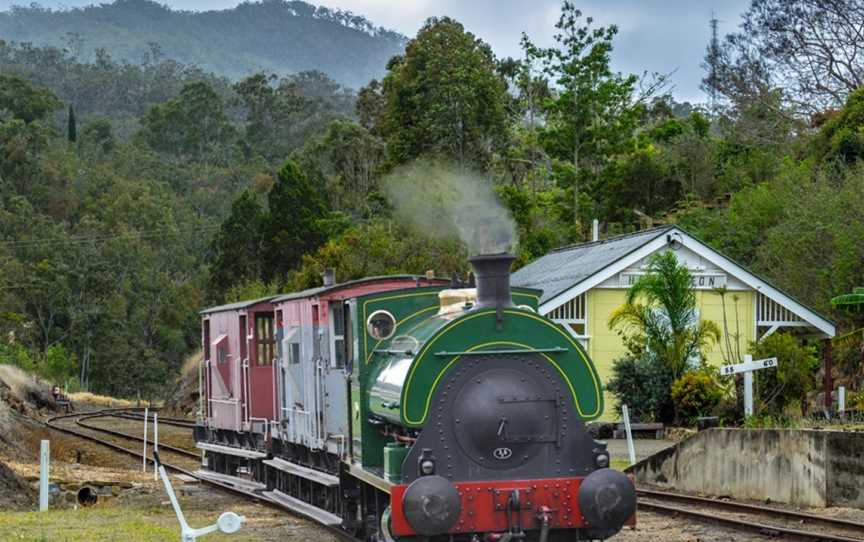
(652, 500)
(51, 424)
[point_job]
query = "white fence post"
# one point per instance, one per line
(748, 388)
(631, 449)
(841, 400)
(155, 443)
(44, 465)
(144, 455)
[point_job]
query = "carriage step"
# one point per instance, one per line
(321, 478)
(239, 483)
(304, 508)
(230, 450)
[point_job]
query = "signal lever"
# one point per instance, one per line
(228, 522)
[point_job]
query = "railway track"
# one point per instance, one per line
(62, 425)
(774, 522)
(177, 422)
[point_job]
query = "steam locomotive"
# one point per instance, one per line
(408, 408)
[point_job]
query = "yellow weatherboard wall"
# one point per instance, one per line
(606, 345)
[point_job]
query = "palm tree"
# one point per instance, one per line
(661, 308)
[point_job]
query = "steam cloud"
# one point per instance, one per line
(443, 201)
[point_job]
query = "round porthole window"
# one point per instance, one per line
(381, 325)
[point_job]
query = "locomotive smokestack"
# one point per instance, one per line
(493, 279)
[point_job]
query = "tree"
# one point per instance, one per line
(282, 114)
(661, 309)
(444, 98)
(370, 105)
(810, 48)
(191, 126)
(842, 137)
(21, 100)
(237, 250)
(346, 160)
(71, 127)
(379, 247)
(296, 221)
(592, 113)
(98, 135)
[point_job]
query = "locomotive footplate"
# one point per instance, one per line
(488, 506)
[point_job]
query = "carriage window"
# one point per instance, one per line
(243, 333)
(337, 313)
(264, 339)
(291, 344)
(221, 346)
(206, 325)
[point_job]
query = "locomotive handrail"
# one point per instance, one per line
(391, 352)
(553, 350)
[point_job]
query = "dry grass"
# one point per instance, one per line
(100, 400)
(19, 381)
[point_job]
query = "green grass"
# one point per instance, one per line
(620, 464)
(104, 524)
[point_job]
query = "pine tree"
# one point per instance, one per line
(296, 221)
(72, 133)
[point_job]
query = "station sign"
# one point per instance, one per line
(747, 368)
(699, 281)
(753, 365)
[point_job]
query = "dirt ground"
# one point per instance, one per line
(143, 514)
(657, 528)
(136, 508)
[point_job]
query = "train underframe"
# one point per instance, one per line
(363, 506)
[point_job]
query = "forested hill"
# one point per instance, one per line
(280, 36)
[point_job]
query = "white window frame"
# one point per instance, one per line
(331, 331)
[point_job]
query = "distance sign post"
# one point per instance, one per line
(747, 368)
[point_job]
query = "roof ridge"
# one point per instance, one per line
(618, 237)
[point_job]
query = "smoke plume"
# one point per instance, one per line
(443, 201)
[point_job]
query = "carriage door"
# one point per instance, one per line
(244, 365)
(261, 390)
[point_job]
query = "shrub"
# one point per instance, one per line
(695, 394)
(17, 355)
(856, 401)
(768, 421)
(794, 377)
(643, 385)
(59, 364)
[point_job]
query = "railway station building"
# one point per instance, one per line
(583, 284)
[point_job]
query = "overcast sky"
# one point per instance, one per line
(654, 35)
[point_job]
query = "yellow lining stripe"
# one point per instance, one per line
(366, 354)
(447, 328)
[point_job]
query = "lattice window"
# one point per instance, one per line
(769, 313)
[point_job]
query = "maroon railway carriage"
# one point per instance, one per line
(239, 354)
(275, 375)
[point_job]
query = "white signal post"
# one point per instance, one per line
(44, 465)
(155, 442)
(747, 368)
(144, 455)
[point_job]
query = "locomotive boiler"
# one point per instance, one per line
(430, 412)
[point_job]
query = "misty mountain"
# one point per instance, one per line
(280, 36)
